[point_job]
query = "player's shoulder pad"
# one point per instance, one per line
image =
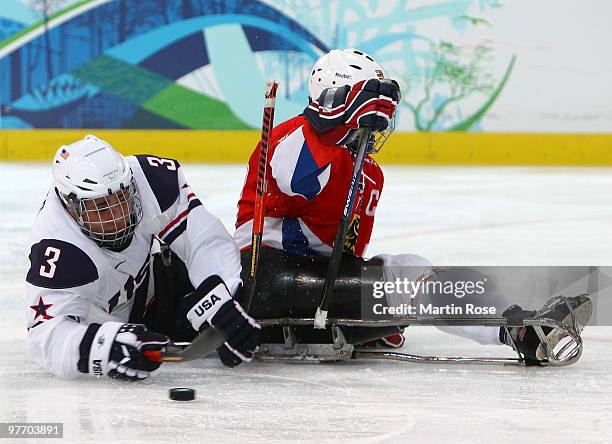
(162, 176)
(58, 264)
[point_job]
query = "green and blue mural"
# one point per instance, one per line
(201, 64)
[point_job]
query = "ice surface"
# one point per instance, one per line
(458, 216)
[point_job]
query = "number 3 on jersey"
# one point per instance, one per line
(157, 162)
(53, 255)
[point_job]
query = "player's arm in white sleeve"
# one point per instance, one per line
(59, 278)
(201, 240)
(61, 283)
(212, 259)
(204, 245)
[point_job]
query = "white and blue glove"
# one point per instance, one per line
(116, 349)
(212, 304)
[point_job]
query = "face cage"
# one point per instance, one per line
(377, 139)
(121, 210)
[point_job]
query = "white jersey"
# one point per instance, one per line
(72, 282)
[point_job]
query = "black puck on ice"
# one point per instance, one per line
(182, 394)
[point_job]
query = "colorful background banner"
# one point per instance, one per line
(464, 66)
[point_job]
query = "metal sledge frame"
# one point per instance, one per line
(567, 354)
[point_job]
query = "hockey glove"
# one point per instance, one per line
(116, 349)
(367, 104)
(371, 104)
(213, 304)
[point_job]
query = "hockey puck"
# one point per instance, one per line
(182, 394)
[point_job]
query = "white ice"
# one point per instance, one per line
(456, 216)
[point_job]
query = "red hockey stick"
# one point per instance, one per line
(262, 185)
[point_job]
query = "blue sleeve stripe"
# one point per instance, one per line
(194, 203)
(176, 232)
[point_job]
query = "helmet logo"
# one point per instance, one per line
(343, 76)
(65, 154)
(379, 74)
(112, 175)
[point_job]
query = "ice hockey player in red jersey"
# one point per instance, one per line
(311, 162)
(90, 288)
(310, 167)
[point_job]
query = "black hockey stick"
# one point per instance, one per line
(204, 344)
(334, 261)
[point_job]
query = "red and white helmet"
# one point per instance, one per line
(341, 67)
(97, 187)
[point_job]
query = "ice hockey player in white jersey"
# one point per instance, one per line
(89, 287)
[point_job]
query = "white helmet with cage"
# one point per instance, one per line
(97, 187)
(341, 67)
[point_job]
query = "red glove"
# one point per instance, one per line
(371, 104)
(338, 111)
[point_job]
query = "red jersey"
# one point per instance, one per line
(308, 182)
